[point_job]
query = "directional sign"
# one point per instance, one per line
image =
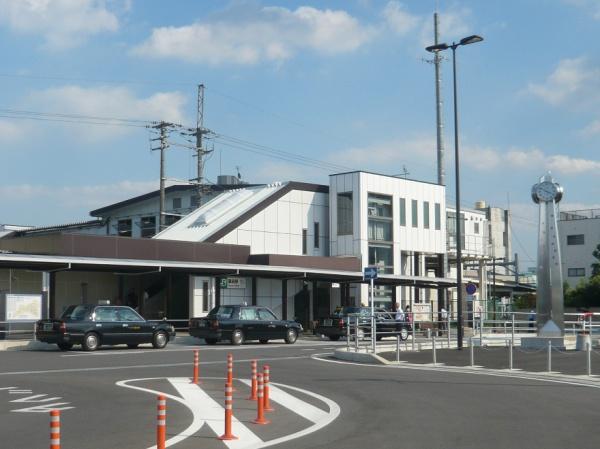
(370, 273)
(471, 288)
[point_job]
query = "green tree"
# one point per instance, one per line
(596, 265)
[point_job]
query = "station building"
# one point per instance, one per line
(296, 247)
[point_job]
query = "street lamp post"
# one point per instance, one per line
(434, 49)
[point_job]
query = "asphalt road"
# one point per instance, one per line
(379, 406)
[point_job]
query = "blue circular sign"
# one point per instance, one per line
(471, 288)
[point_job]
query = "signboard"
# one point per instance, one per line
(22, 307)
(233, 283)
(471, 288)
(370, 273)
(335, 285)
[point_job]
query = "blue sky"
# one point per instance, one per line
(344, 82)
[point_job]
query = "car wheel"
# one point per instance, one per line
(91, 342)
(291, 336)
(64, 346)
(132, 345)
(159, 340)
(403, 334)
(264, 341)
(334, 337)
(237, 337)
(210, 341)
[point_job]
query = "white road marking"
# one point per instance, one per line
(196, 399)
(36, 398)
(155, 365)
(8, 388)
(298, 406)
(43, 408)
(20, 392)
(213, 413)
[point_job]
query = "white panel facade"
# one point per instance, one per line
(277, 229)
(578, 240)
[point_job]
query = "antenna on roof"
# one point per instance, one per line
(239, 175)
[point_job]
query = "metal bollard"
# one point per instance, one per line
(54, 429)
(356, 335)
(348, 333)
(513, 329)
(448, 331)
(433, 350)
(428, 334)
(471, 351)
(510, 355)
(549, 356)
(374, 334)
(397, 348)
(589, 358)
(413, 336)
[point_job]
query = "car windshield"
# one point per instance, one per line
(221, 312)
(78, 313)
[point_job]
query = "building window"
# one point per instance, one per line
(304, 235)
(426, 214)
(316, 236)
(576, 272)
(170, 219)
(124, 228)
(438, 217)
(380, 206)
(380, 218)
(415, 214)
(194, 201)
(176, 203)
(148, 226)
(451, 229)
(380, 230)
(382, 257)
(344, 213)
(476, 228)
(577, 239)
(402, 212)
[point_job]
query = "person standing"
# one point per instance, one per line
(444, 318)
(409, 316)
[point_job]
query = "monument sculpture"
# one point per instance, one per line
(550, 309)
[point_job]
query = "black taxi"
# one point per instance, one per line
(238, 323)
(91, 326)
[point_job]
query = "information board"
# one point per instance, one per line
(22, 307)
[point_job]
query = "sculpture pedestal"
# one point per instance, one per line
(542, 342)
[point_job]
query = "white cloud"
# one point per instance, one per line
(592, 129)
(12, 131)
(272, 34)
(572, 79)
(391, 152)
(62, 23)
(86, 197)
(114, 102)
(400, 20)
(571, 166)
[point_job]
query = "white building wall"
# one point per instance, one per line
(578, 256)
(278, 228)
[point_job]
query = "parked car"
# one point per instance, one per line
(336, 325)
(239, 323)
(92, 326)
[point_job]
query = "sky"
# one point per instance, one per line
(335, 85)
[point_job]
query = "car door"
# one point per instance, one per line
(270, 327)
(248, 320)
(107, 326)
(135, 329)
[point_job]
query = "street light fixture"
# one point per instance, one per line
(434, 49)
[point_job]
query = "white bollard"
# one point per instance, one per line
(589, 357)
(471, 350)
(549, 356)
(397, 348)
(434, 350)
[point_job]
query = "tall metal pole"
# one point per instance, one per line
(163, 147)
(459, 305)
(437, 59)
(199, 149)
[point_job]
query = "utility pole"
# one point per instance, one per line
(437, 59)
(200, 151)
(163, 128)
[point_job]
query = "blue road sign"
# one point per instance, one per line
(471, 288)
(370, 273)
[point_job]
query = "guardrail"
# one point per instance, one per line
(366, 330)
(17, 330)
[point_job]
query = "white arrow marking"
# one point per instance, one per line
(35, 397)
(298, 406)
(198, 421)
(213, 413)
(43, 408)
